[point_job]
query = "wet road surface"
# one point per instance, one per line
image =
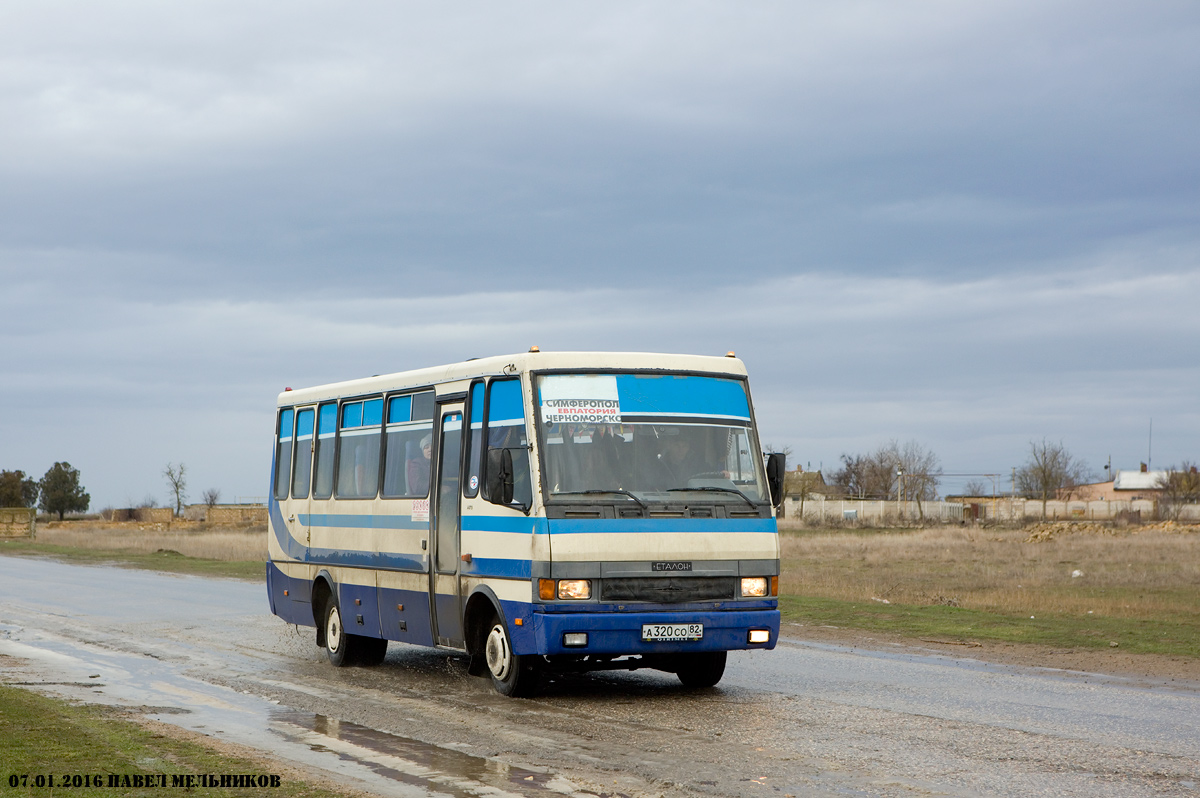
(805, 719)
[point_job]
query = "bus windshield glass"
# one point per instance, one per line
(648, 437)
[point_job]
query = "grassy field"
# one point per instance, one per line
(47, 737)
(182, 549)
(1062, 584)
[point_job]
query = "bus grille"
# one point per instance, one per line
(667, 590)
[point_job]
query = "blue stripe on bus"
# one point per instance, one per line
(399, 409)
(505, 402)
(477, 404)
(285, 425)
(326, 423)
(671, 394)
(352, 415)
(304, 424)
(372, 412)
(540, 526)
(579, 526)
(498, 567)
(504, 523)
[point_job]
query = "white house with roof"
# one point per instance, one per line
(1127, 485)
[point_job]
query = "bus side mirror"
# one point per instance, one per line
(500, 476)
(776, 467)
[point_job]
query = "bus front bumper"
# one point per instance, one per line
(619, 633)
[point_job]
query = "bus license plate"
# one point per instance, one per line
(664, 632)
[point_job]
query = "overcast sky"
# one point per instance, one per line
(970, 225)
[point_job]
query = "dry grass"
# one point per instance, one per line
(225, 545)
(1141, 573)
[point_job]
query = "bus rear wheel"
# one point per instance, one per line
(703, 669)
(512, 674)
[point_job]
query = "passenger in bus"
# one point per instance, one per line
(418, 468)
(675, 458)
(679, 462)
(609, 445)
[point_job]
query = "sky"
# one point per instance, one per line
(970, 225)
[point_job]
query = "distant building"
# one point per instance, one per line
(1127, 485)
(809, 484)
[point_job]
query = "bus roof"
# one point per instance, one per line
(507, 365)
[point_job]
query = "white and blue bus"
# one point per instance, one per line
(541, 512)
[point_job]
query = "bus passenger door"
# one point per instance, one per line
(444, 596)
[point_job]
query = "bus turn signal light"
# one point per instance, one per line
(564, 589)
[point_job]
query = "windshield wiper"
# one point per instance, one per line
(595, 492)
(749, 501)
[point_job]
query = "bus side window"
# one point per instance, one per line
(358, 449)
(283, 453)
(475, 441)
(326, 438)
(408, 445)
(506, 430)
(303, 455)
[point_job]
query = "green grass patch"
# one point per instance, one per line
(1171, 635)
(49, 737)
(171, 561)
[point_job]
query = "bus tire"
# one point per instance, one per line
(512, 674)
(701, 670)
(339, 644)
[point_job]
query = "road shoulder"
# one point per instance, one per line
(1148, 669)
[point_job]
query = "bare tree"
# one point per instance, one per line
(801, 484)
(975, 488)
(909, 472)
(868, 476)
(210, 497)
(1179, 487)
(1050, 471)
(919, 472)
(176, 476)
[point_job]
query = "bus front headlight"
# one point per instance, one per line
(576, 589)
(754, 586)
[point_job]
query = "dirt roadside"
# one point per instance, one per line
(1155, 668)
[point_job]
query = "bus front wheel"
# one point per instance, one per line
(512, 674)
(702, 669)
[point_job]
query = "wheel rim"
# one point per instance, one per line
(499, 657)
(333, 630)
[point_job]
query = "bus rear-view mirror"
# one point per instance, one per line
(776, 467)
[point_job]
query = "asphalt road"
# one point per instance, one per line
(805, 719)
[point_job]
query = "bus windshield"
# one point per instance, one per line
(648, 437)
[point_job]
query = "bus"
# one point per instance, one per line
(541, 513)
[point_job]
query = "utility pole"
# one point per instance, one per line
(1012, 497)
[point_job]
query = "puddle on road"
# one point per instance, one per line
(453, 772)
(385, 764)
